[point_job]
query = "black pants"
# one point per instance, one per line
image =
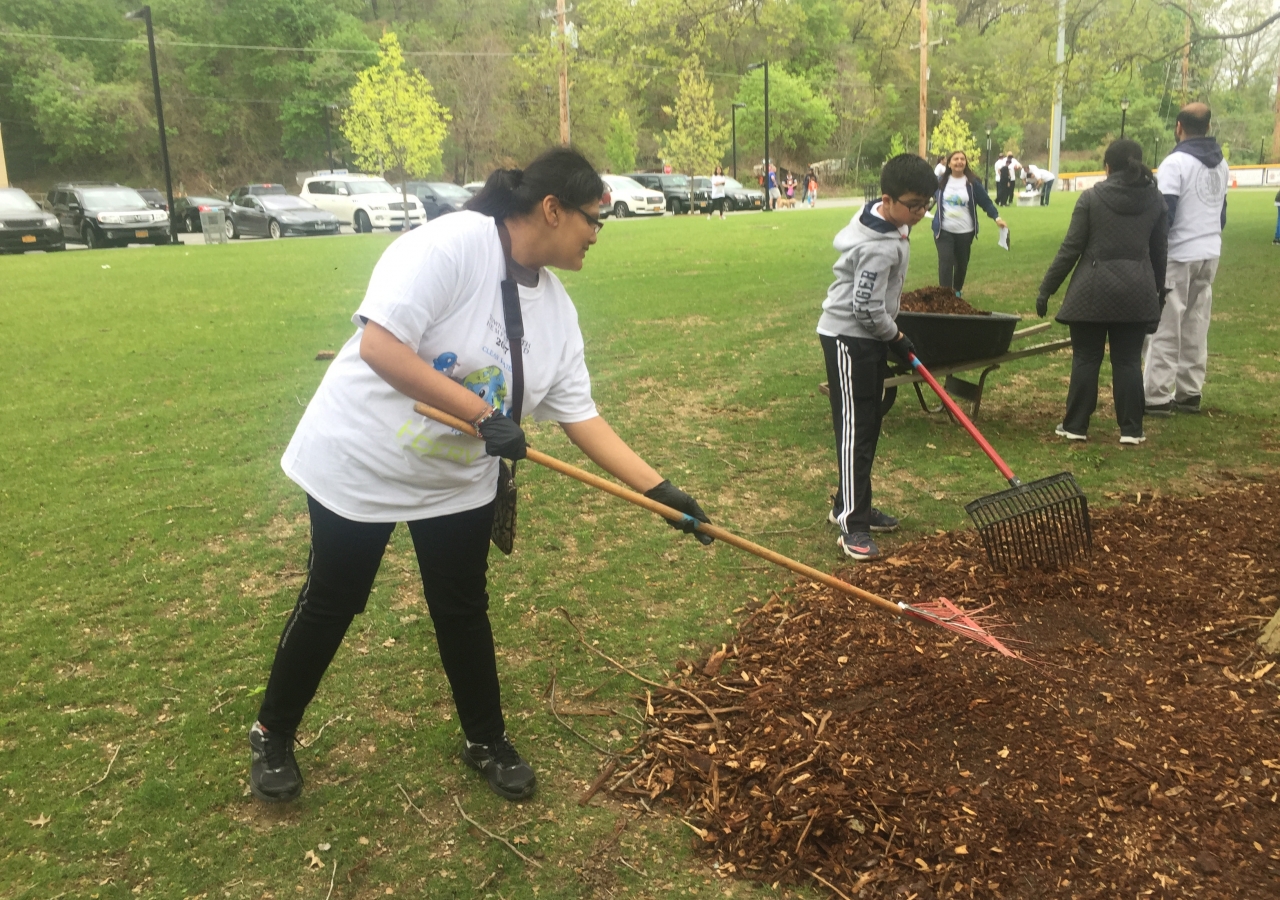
(453, 554)
(1087, 344)
(1004, 190)
(856, 368)
(953, 258)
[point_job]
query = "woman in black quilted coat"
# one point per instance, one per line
(1117, 244)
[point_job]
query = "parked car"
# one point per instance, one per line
(186, 211)
(473, 187)
(154, 198)
(438, 197)
(106, 215)
(736, 196)
(679, 194)
(256, 190)
(276, 216)
(630, 198)
(365, 202)
(25, 226)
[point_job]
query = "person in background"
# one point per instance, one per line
(857, 330)
(941, 167)
(717, 193)
(773, 194)
(811, 187)
(1193, 179)
(1276, 240)
(1117, 244)
(367, 460)
(791, 185)
(1007, 169)
(958, 196)
(1043, 179)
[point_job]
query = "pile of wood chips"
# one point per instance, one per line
(938, 299)
(1139, 755)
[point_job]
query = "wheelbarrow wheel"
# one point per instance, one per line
(887, 400)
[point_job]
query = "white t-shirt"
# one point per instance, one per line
(717, 186)
(955, 201)
(939, 169)
(362, 451)
(1196, 232)
(1040, 174)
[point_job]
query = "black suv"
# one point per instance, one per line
(681, 197)
(107, 215)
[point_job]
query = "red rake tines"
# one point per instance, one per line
(942, 612)
(971, 624)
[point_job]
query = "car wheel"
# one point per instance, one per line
(230, 228)
(620, 210)
(362, 223)
(729, 205)
(675, 207)
(91, 239)
(273, 229)
(193, 225)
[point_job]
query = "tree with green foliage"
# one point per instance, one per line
(952, 133)
(698, 141)
(800, 121)
(620, 147)
(393, 122)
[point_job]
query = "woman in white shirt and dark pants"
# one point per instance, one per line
(433, 327)
(955, 220)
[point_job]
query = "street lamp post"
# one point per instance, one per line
(765, 65)
(986, 170)
(1124, 114)
(145, 15)
(328, 136)
(734, 116)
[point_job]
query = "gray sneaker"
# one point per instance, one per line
(1189, 405)
(509, 775)
(1162, 410)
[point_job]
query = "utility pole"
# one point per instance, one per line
(1055, 127)
(924, 78)
(1186, 55)
(145, 15)
(1275, 133)
(564, 74)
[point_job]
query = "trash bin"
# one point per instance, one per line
(214, 225)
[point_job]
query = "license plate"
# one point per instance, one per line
(28, 239)
(141, 232)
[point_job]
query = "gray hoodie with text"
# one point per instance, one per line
(863, 300)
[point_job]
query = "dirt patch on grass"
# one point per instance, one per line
(1137, 756)
(938, 299)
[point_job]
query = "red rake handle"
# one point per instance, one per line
(954, 409)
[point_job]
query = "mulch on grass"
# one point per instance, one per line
(937, 299)
(1138, 757)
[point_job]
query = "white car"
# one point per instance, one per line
(364, 202)
(631, 198)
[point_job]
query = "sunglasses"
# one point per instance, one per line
(594, 222)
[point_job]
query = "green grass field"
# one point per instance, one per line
(151, 547)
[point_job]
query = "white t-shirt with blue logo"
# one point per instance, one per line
(956, 217)
(361, 450)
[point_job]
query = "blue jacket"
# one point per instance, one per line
(978, 196)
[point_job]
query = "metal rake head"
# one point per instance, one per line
(1044, 523)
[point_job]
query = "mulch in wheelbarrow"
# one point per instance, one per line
(1140, 755)
(938, 299)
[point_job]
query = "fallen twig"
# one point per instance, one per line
(827, 884)
(510, 846)
(320, 732)
(415, 808)
(333, 873)
(104, 774)
(566, 726)
(598, 783)
(640, 872)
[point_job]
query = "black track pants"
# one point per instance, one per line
(1088, 341)
(953, 258)
(452, 553)
(856, 370)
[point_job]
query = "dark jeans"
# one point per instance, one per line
(856, 368)
(1045, 190)
(953, 258)
(1088, 341)
(453, 554)
(1004, 192)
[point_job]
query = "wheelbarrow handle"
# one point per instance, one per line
(954, 409)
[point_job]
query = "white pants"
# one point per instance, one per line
(1176, 354)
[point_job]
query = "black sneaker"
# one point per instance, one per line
(1189, 405)
(274, 775)
(858, 546)
(1164, 410)
(882, 521)
(509, 775)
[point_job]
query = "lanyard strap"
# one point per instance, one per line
(515, 326)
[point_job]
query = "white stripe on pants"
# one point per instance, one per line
(1176, 355)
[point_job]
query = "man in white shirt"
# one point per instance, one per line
(1043, 179)
(1007, 169)
(1193, 179)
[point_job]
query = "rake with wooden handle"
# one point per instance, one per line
(942, 612)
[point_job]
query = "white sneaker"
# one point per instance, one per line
(1127, 439)
(1069, 435)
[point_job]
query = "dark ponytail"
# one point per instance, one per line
(1124, 158)
(560, 172)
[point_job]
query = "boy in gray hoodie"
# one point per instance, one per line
(857, 331)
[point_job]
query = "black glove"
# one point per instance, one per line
(902, 348)
(503, 437)
(668, 494)
(1042, 306)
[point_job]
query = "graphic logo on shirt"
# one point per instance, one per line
(489, 384)
(1211, 185)
(955, 200)
(445, 363)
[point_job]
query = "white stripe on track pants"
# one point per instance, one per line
(856, 369)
